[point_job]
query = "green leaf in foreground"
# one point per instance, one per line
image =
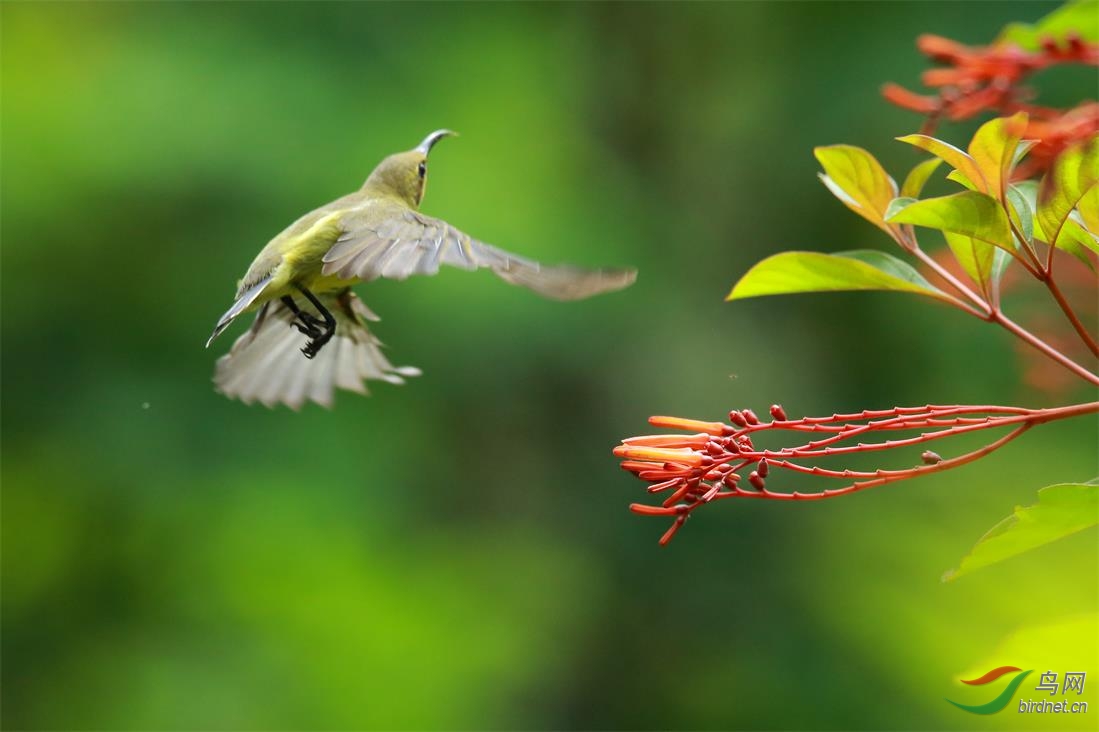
(1061, 510)
(867, 269)
(969, 213)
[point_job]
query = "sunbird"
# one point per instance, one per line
(310, 334)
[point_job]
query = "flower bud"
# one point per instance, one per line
(756, 481)
(671, 531)
(750, 416)
(762, 468)
(646, 510)
(737, 418)
(664, 485)
(931, 458)
(778, 412)
(693, 441)
(690, 425)
(659, 454)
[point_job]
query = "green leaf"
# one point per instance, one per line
(858, 179)
(796, 272)
(1024, 147)
(1074, 173)
(969, 213)
(1000, 261)
(1076, 240)
(1021, 199)
(1061, 510)
(951, 155)
(993, 150)
(1089, 209)
(917, 178)
(1074, 17)
(958, 177)
(975, 256)
(898, 204)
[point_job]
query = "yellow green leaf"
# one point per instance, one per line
(799, 272)
(1022, 201)
(917, 178)
(958, 177)
(1061, 510)
(858, 180)
(969, 213)
(1089, 209)
(993, 150)
(1072, 17)
(951, 155)
(1076, 240)
(974, 256)
(1074, 173)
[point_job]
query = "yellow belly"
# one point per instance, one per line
(328, 283)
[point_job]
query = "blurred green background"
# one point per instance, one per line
(456, 553)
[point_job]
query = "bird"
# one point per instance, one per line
(310, 334)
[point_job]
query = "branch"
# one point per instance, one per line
(707, 466)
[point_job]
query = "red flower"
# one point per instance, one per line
(699, 468)
(977, 79)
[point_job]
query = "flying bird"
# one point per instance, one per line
(310, 333)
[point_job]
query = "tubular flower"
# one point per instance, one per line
(722, 460)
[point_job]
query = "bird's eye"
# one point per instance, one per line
(423, 169)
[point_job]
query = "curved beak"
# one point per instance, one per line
(430, 140)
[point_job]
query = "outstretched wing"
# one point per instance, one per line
(408, 243)
(266, 364)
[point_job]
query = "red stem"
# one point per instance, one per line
(957, 284)
(724, 456)
(881, 477)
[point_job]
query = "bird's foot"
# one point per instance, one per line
(317, 342)
(308, 329)
(308, 324)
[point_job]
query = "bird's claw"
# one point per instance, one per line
(310, 330)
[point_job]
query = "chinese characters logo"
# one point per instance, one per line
(1073, 682)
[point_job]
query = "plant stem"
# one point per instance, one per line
(882, 477)
(954, 282)
(1024, 243)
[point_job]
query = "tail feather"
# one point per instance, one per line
(266, 364)
(244, 300)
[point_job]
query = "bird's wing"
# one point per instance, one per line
(266, 364)
(398, 242)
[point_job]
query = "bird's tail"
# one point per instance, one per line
(244, 300)
(266, 363)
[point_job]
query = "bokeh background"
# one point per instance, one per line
(456, 553)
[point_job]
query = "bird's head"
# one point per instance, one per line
(404, 174)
